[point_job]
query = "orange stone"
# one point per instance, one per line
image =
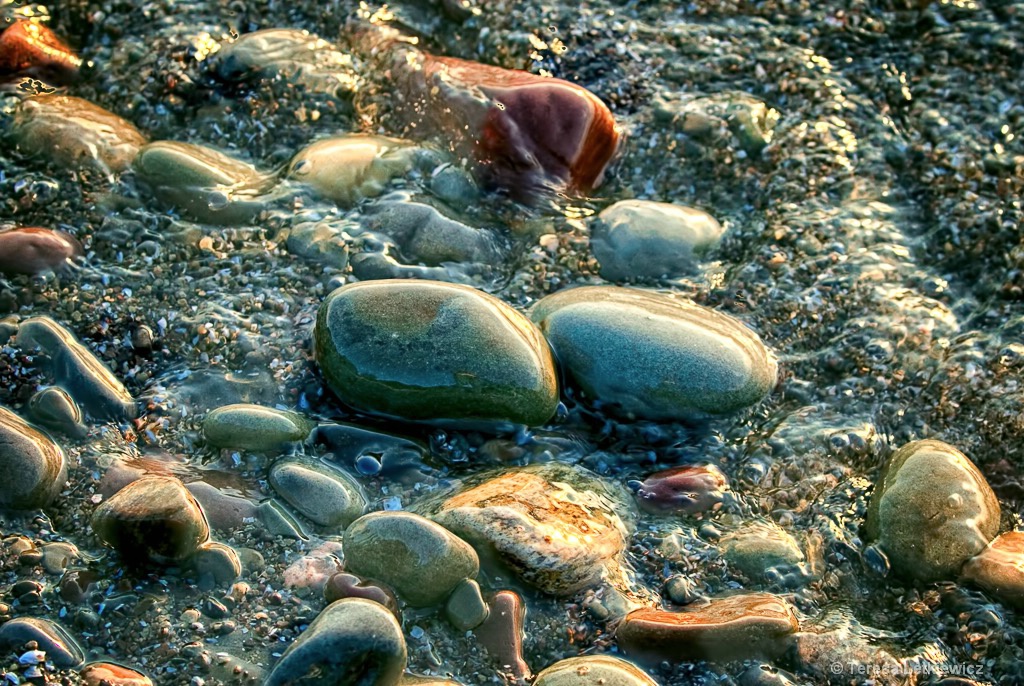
(731, 628)
(523, 132)
(109, 674)
(33, 49)
(999, 568)
(35, 251)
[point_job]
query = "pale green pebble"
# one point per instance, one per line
(254, 427)
(466, 608)
(421, 560)
(760, 547)
(650, 355)
(216, 564)
(348, 169)
(278, 522)
(324, 495)
(594, 670)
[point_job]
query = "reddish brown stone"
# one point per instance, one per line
(502, 635)
(999, 568)
(36, 251)
(732, 628)
(344, 585)
(685, 490)
(34, 50)
(526, 133)
(109, 674)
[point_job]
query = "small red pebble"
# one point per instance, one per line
(33, 49)
(36, 251)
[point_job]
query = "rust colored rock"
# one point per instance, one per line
(34, 50)
(344, 585)
(502, 635)
(110, 674)
(524, 132)
(683, 490)
(999, 568)
(732, 628)
(36, 251)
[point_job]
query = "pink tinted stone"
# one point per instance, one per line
(34, 250)
(683, 490)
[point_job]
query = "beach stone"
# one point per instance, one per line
(323, 494)
(502, 635)
(645, 239)
(523, 132)
(224, 511)
(216, 564)
(683, 490)
(312, 571)
(594, 670)
(279, 522)
(254, 427)
(560, 528)
(203, 183)
(466, 608)
(422, 560)
(77, 370)
(345, 585)
(110, 674)
(760, 547)
(409, 679)
(353, 642)
(999, 568)
(735, 627)
(425, 350)
(153, 519)
(33, 467)
(324, 241)
(33, 49)
(33, 250)
(55, 409)
(429, 236)
(931, 511)
(652, 356)
(53, 639)
(75, 134)
(348, 169)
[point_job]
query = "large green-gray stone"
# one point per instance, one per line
(32, 466)
(653, 356)
(353, 642)
(254, 427)
(931, 511)
(426, 350)
(422, 560)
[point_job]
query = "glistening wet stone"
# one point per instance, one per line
(593, 670)
(683, 490)
(110, 674)
(254, 427)
(60, 646)
(325, 495)
(31, 48)
(931, 511)
(350, 168)
(433, 351)
(653, 356)
(999, 568)
(34, 250)
(33, 468)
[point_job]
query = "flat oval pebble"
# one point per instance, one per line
(78, 370)
(33, 468)
(645, 239)
(32, 48)
(53, 639)
(349, 168)
(559, 527)
(110, 674)
(931, 511)
(422, 560)
(327, 496)
(653, 356)
(594, 670)
(153, 519)
(430, 237)
(683, 490)
(34, 250)
(352, 642)
(206, 184)
(426, 350)
(735, 627)
(758, 548)
(999, 568)
(254, 427)
(75, 134)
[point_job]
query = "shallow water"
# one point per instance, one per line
(865, 159)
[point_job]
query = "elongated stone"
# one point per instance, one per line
(53, 639)
(75, 134)
(648, 355)
(683, 490)
(327, 496)
(31, 48)
(931, 511)
(32, 467)
(33, 250)
(426, 350)
(253, 427)
(735, 627)
(77, 370)
(349, 168)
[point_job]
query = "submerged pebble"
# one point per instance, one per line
(757, 549)
(683, 490)
(429, 236)
(593, 670)
(434, 351)
(999, 568)
(32, 48)
(32, 466)
(350, 168)
(254, 427)
(343, 585)
(55, 409)
(653, 356)
(37, 251)
(60, 646)
(110, 674)
(325, 495)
